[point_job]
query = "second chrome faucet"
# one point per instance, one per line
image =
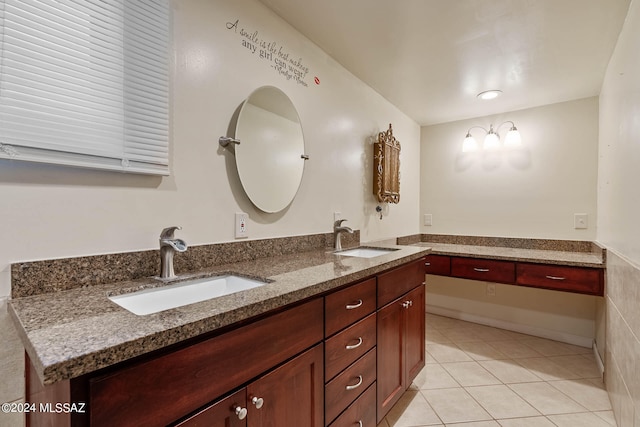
(338, 229)
(168, 247)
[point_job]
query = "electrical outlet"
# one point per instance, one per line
(241, 225)
(491, 289)
(428, 219)
(580, 221)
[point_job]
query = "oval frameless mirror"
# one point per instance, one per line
(270, 156)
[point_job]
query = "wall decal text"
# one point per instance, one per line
(278, 57)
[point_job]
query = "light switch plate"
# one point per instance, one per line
(241, 225)
(428, 219)
(580, 221)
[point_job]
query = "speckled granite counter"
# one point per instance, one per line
(73, 332)
(581, 259)
(559, 252)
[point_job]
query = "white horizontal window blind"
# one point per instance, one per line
(85, 83)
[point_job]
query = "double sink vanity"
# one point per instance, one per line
(309, 337)
(315, 338)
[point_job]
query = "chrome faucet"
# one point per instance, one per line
(338, 228)
(168, 246)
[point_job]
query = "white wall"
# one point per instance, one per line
(533, 192)
(51, 212)
(618, 213)
(619, 149)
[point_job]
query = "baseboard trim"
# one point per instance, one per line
(599, 361)
(515, 327)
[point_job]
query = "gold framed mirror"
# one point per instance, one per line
(386, 167)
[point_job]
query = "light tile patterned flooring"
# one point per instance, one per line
(479, 376)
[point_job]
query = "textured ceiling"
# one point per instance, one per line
(432, 57)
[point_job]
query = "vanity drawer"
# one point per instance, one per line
(484, 269)
(342, 308)
(399, 281)
(346, 387)
(562, 278)
(347, 346)
(437, 264)
(359, 411)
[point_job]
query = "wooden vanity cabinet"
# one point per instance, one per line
(163, 389)
(314, 364)
(175, 384)
(401, 334)
(566, 278)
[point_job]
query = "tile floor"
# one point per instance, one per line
(479, 376)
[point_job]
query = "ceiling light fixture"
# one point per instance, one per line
(489, 94)
(492, 138)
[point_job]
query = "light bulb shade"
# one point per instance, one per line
(513, 139)
(491, 141)
(470, 144)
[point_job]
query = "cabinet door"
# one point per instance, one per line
(291, 395)
(390, 348)
(400, 346)
(227, 412)
(415, 333)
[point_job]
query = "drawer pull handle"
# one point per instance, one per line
(240, 412)
(427, 264)
(351, 347)
(356, 385)
(356, 305)
(555, 278)
(481, 270)
(359, 423)
(258, 401)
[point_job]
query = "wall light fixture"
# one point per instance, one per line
(492, 138)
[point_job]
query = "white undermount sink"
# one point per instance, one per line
(153, 300)
(366, 252)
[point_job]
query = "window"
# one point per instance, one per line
(85, 83)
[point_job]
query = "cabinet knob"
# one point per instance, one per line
(407, 304)
(257, 401)
(356, 385)
(351, 347)
(355, 305)
(240, 412)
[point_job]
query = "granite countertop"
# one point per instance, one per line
(74, 332)
(544, 256)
